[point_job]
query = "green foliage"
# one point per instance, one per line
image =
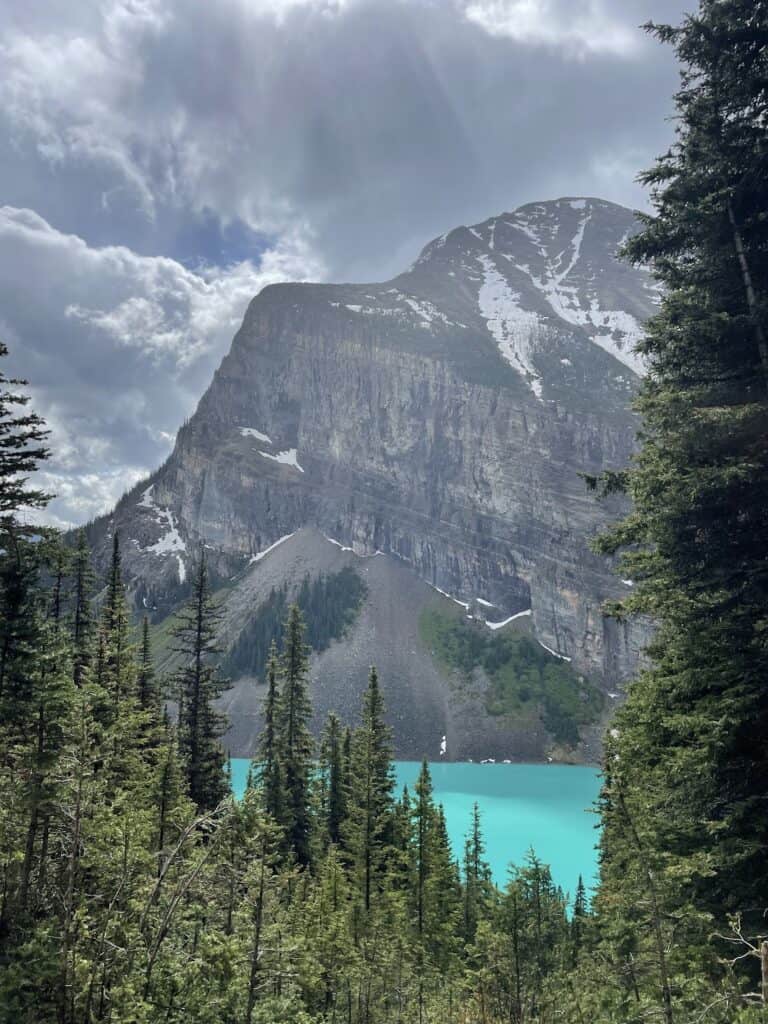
(525, 680)
(683, 801)
(294, 739)
(329, 605)
(22, 448)
(368, 801)
(334, 778)
(197, 685)
(691, 762)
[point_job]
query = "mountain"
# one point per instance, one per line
(439, 421)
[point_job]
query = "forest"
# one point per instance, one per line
(135, 890)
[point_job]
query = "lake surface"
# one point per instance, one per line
(544, 806)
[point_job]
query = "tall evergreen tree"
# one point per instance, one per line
(145, 681)
(477, 876)
(119, 676)
(82, 613)
(271, 770)
(22, 448)
(690, 767)
(369, 828)
(198, 684)
(296, 740)
(336, 799)
(580, 910)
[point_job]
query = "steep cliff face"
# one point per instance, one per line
(442, 418)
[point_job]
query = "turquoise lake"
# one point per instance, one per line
(547, 807)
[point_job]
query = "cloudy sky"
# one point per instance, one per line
(162, 160)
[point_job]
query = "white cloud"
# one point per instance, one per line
(371, 120)
(577, 26)
(119, 346)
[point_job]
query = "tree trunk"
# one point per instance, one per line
(258, 918)
(666, 991)
(749, 288)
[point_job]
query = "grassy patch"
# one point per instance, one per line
(524, 678)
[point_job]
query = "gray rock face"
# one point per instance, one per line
(442, 417)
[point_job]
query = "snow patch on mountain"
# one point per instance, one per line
(263, 554)
(428, 311)
(252, 432)
(463, 604)
(289, 457)
(615, 331)
(555, 654)
(515, 329)
(512, 618)
(404, 307)
(337, 543)
(618, 332)
(171, 541)
(146, 500)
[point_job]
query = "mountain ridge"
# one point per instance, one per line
(442, 417)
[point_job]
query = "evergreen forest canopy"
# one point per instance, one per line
(133, 888)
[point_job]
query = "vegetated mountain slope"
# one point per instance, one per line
(442, 418)
(455, 681)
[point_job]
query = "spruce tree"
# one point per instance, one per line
(118, 677)
(477, 877)
(145, 682)
(22, 448)
(370, 805)
(423, 812)
(690, 766)
(580, 910)
(336, 798)
(270, 763)
(81, 613)
(296, 740)
(198, 684)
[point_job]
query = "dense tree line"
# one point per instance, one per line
(135, 888)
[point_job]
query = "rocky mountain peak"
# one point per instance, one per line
(550, 265)
(442, 420)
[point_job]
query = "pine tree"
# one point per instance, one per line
(423, 812)
(477, 877)
(118, 677)
(22, 449)
(370, 806)
(336, 798)
(271, 771)
(198, 684)
(82, 615)
(169, 786)
(690, 768)
(20, 617)
(147, 694)
(580, 911)
(296, 740)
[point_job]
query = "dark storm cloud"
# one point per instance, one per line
(333, 138)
